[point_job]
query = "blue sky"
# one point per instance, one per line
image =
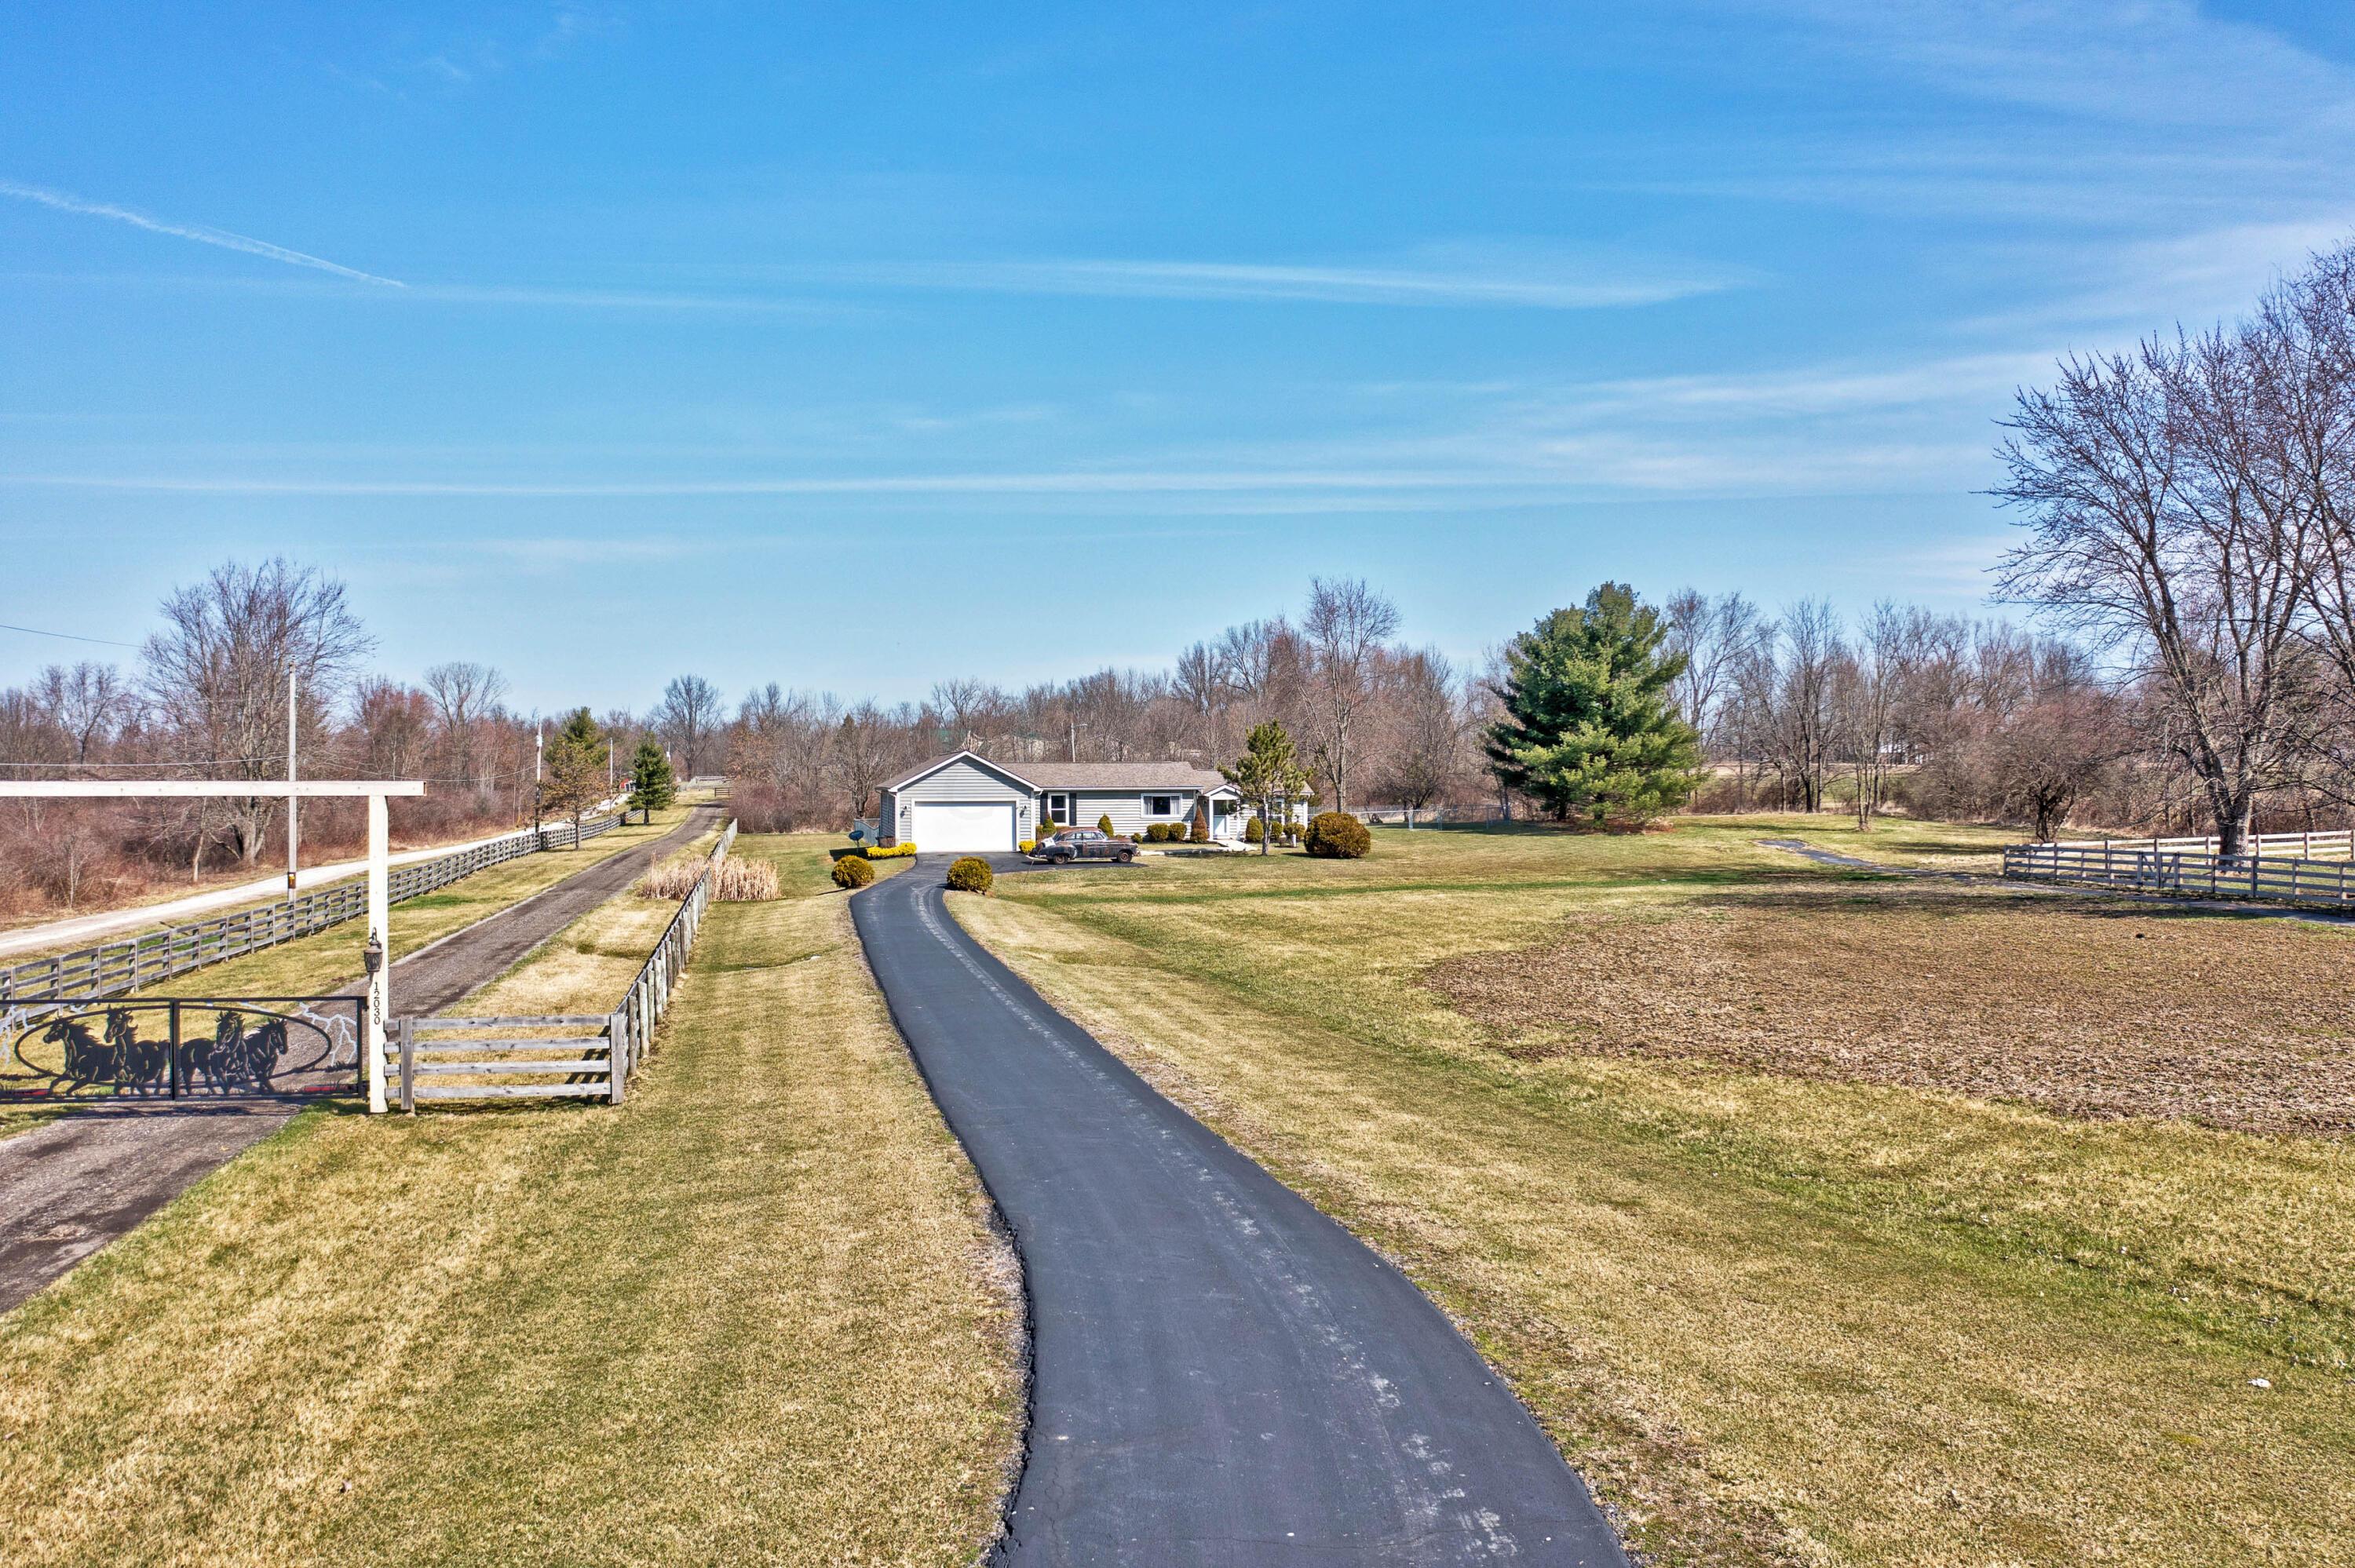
(812, 343)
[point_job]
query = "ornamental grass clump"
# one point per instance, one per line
(1336, 835)
(970, 874)
(674, 878)
(852, 873)
(745, 882)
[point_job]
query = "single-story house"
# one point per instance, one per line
(967, 803)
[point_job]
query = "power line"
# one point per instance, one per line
(68, 636)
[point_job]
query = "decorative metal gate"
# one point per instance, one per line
(182, 1047)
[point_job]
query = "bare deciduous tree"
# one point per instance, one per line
(2157, 525)
(88, 700)
(1712, 636)
(464, 696)
(1428, 751)
(216, 674)
(868, 750)
(1344, 628)
(689, 720)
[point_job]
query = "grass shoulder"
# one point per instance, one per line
(1778, 1315)
(755, 1311)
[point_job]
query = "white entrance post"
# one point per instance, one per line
(379, 858)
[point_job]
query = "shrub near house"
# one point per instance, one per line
(1336, 835)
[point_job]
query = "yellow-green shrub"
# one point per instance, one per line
(852, 873)
(970, 874)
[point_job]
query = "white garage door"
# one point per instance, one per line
(963, 828)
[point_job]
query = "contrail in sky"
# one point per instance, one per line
(201, 235)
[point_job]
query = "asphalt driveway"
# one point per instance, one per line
(1221, 1375)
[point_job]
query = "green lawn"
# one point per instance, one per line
(753, 1315)
(1785, 1295)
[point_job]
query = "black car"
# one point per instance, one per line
(1085, 843)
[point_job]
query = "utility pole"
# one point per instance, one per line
(294, 833)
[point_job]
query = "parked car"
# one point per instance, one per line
(1085, 843)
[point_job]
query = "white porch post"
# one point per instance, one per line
(379, 922)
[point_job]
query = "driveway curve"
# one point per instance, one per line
(1221, 1375)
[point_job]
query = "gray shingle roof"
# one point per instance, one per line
(1118, 775)
(1090, 775)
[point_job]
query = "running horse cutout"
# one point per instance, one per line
(242, 1061)
(233, 1058)
(143, 1047)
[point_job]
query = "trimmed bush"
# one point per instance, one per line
(1199, 833)
(900, 850)
(1026, 845)
(970, 874)
(1103, 824)
(1254, 832)
(1336, 835)
(852, 873)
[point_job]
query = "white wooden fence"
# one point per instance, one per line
(112, 968)
(2148, 866)
(482, 1058)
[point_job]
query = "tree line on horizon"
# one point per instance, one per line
(208, 698)
(2188, 558)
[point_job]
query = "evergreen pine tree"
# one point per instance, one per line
(1590, 727)
(574, 769)
(1269, 775)
(651, 785)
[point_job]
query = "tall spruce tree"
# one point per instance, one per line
(652, 784)
(574, 768)
(1590, 726)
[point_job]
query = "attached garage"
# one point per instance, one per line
(959, 805)
(959, 827)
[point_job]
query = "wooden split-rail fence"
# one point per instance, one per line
(2156, 866)
(112, 968)
(2331, 843)
(506, 1058)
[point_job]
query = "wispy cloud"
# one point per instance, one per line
(1469, 279)
(2155, 62)
(1085, 481)
(245, 244)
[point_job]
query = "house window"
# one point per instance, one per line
(1161, 805)
(1059, 808)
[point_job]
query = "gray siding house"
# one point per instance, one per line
(966, 803)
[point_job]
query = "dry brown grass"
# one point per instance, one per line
(753, 1315)
(673, 878)
(1778, 1320)
(2087, 1008)
(742, 881)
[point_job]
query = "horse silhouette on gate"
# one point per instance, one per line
(122, 1059)
(248, 1048)
(234, 1058)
